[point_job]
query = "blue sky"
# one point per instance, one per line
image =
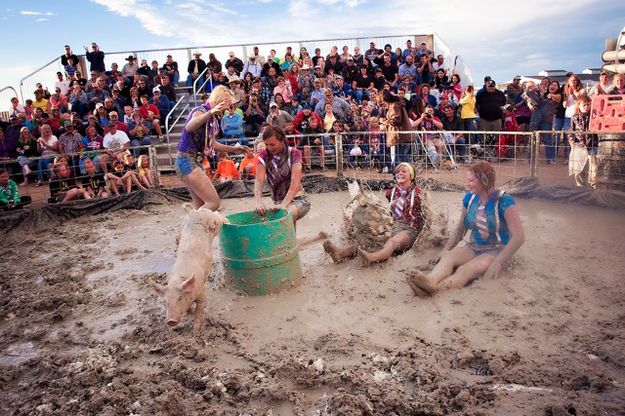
(497, 37)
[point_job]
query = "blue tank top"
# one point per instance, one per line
(195, 142)
(470, 222)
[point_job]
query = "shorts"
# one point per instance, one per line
(399, 227)
(302, 203)
(485, 249)
(185, 163)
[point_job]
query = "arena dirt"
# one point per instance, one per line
(82, 334)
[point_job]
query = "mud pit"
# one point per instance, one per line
(82, 334)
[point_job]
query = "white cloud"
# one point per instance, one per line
(42, 19)
(33, 13)
(491, 36)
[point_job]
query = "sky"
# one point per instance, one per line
(500, 38)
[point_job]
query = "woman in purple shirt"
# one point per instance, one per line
(198, 140)
(281, 166)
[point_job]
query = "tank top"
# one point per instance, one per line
(197, 141)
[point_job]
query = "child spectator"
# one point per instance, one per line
(144, 171)
(247, 167)
(226, 169)
(9, 194)
(63, 188)
(119, 176)
(507, 140)
(583, 156)
(312, 141)
(93, 183)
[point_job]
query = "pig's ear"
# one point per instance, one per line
(160, 289)
(188, 284)
(187, 207)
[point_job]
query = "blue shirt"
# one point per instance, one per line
(505, 201)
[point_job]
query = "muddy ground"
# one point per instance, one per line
(82, 334)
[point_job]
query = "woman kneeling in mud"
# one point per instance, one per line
(407, 221)
(496, 234)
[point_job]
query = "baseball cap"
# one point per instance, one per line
(273, 104)
(487, 78)
(517, 77)
(156, 89)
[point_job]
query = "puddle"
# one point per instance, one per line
(17, 354)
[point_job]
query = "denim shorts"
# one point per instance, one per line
(485, 249)
(302, 203)
(185, 163)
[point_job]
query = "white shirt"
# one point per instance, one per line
(63, 85)
(115, 141)
(436, 67)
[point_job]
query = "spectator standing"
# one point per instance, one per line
(234, 62)
(490, 108)
(603, 86)
(171, 70)
(68, 55)
(95, 58)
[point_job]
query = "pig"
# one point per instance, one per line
(186, 280)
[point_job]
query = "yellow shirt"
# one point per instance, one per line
(468, 106)
(43, 104)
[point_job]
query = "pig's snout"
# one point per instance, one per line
(172, 322)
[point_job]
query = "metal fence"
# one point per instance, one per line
(442, 155)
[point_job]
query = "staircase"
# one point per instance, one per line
(166, 152)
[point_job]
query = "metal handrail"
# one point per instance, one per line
(8, 87)
(171, 113)
(195, 89)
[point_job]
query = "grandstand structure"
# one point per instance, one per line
(187, 98)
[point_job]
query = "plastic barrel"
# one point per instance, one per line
(611, 162)
(260, 254)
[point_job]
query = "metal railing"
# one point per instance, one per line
(198, 90)
(5, 102)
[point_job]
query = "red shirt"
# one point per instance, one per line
(145, 109)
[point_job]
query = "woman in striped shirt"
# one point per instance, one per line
(496, 234)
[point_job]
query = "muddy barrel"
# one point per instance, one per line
(260, 254)
(611, 162)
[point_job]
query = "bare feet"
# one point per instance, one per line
(420, 284)
(333, 251)
(364, 257)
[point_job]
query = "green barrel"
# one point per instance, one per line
(260, 254)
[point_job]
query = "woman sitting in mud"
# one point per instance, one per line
(281, 166)
(496, 234)
(407, 216)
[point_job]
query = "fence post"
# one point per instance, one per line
(338, 149)
(534, 152)
(156, 174)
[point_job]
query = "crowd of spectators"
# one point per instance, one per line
(88, 125)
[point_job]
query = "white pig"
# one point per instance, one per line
(186, 281)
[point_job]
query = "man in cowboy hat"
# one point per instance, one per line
(131, 67)
(195, 68)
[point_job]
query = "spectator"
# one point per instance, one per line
(440, 64)
(16, 107)
(167, 89)
(424, 70)
(467, 112)
(602, 87)
(283, 88)
(7, 149)
(278, 118)
(253, 67)
(585, 173)
(434, 145)
(139, 132)
(618, 86)
(514, 91)
(409, 51)
(26, 149)
(59, 101)
(171, 70)
(67, 55)
(407, 72)
(162, 103)
(95, 58)
(548, 105)
(234, 62)
(92, 145)
(226, 169)
(115, 140)
(339, 105)
(145, 174)
(143, 69)
(232, 126)
(254, 115)
(93, 183)
(333, 63)
(48, 148)
(78, 100)
(70, 69)
(195, 69)
(41, 102)
(247, 166)
(61, 84)
(490, 107)
(372, 53)
(9, 193)
(150, 113)
(70, 145)
(451, 122)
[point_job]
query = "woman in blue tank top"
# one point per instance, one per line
(198, 140)
(496, 233)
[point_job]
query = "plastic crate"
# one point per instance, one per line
(607, 113)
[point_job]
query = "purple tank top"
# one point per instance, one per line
(195, 141)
